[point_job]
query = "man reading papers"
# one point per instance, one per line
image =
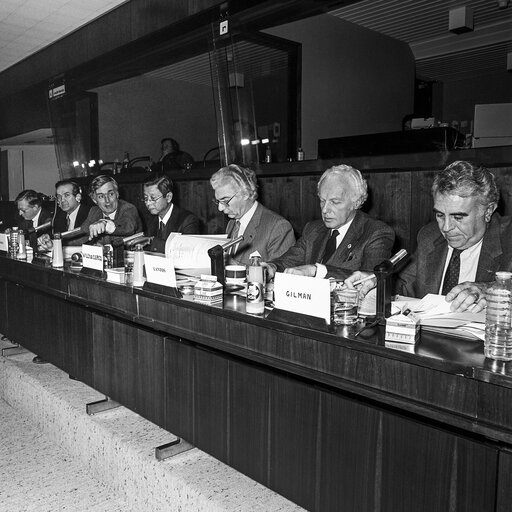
(346, 239)
(459, 252)
(264, 230)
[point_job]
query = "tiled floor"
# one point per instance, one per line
(38, 475)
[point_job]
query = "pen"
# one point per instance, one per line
(367, 278)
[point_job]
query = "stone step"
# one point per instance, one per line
(117, 447)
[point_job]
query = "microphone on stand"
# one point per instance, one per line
(41, 227)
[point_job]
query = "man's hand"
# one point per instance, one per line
(271, 270)
(364, 287)
(467, 296)
(44, 242)
(100, 227)
(302, 270)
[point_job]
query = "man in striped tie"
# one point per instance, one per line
(458, 253)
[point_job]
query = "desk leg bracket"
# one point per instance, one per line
(173, 448)
(101, 406)
(13, 350)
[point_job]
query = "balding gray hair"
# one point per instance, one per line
(243, 177)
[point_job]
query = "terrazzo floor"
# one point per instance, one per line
(54, 457)
(38, 475)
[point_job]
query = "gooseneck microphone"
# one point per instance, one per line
(41, 227)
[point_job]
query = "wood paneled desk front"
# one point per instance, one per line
(330, 421)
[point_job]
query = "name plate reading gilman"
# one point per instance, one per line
(92, 257)
(159, 270)
(305, 295)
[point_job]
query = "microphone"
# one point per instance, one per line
(388, 265)
(46, 225)
(72, 233)
(232, 242)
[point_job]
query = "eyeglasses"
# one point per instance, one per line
(223, 202)
(151, 199)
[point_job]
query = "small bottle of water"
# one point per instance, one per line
(498, 328)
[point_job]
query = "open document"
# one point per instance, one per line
(191, 251)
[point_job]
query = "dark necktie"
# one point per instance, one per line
(232, 235)
(67, 222)
(330, 247)
(451, 278)
(161, 231)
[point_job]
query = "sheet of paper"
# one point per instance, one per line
(191, 251)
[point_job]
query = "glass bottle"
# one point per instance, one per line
(57, 255)
(138, 266)
(22, 248)
(255, 302)
(498, 328)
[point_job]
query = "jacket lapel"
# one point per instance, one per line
(434, 264)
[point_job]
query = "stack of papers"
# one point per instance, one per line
(435, 315)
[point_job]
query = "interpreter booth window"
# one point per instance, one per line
(234, 102)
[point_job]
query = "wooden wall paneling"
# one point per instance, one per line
(310, 205)
(389, 199)
(350, 455)
(283, 195)
(211, 403)
(421, 202)
(179, 368)
(504, 497)
(4, 325)
(426, 469)
(504, 182)
(196, 196)
(492, 404)
(129, 366)
(249, 414)
(294, 434)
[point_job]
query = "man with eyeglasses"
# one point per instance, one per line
(264, 231)
(166, 217)
(111, 219)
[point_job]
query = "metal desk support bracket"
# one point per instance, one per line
(13, 350)
(173, 448)
(101, 406)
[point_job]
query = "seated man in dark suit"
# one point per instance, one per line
(172, 158)
(73, 210)
(167, 217)
(346, 239)
(71, 214)
(30, 207)
(264, 230)
(459, 253)
(111, 219)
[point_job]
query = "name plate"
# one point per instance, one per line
(4, 242)
(92, 257)
(159, 270)
(305, 295)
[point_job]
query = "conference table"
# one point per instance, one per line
(332, 421)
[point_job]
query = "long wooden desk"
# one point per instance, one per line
(331, 421)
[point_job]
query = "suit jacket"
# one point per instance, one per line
(23, 224)
(127, 223)
(366, 244)
(267, 232)
(424, 272)
(60, 223)
(180, 221)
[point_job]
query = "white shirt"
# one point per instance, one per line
(246, 218)
(167, 216)
(468, 263)
(72, 218)
(321, 270)
(35, 220)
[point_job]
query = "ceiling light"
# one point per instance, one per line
(502, 4)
